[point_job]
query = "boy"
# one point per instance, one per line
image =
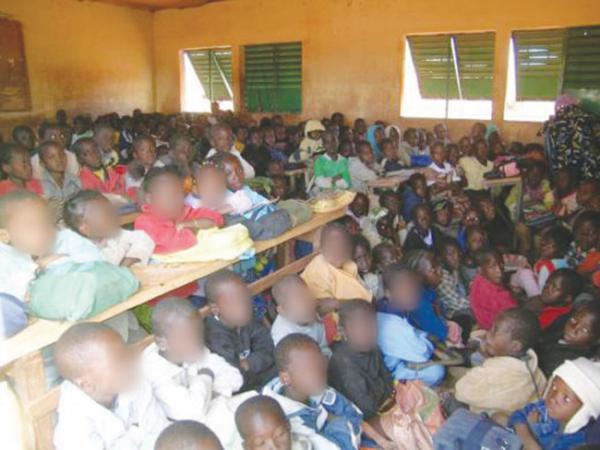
(263, 425)
(422, 236)
(93, 174)
(102, 403)
(15, 165)
(187, 435)
(54, 132)
(331, 169)
(362, 168)
(232, 332)
(188, 380)
(144, 159)
(509, 377)
(327, 418)
(562, 287)
(415, 194)
(359, 210)
(58, 183)
(297, 312)
(24, 135)
(221, 140)
(104, 139)
(476, 166)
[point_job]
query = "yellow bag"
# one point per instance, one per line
(327, 201)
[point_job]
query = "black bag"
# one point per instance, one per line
(263, 226)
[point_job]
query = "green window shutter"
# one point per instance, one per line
(539, 61)
(273, 78)
(582, 66)
(213, 68)
(434, 63)
(475, 64)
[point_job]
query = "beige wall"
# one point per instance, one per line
(353, 49)
(83, 56)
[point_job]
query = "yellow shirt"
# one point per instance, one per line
(474, 171)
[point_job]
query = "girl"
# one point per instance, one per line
(15, 164)
(554, 244)
(583, 254)
(452, 290)
(375, 135)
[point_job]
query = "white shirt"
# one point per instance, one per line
(134, 423)
(445, 171)
(128, 244)
(282, 327)
(72, 165)
(248, 169)
(360, 174)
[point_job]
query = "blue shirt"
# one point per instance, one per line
(425, 317)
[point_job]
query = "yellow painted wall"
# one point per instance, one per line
(353, 49)
(83, 56)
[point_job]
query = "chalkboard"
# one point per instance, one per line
(14, 83)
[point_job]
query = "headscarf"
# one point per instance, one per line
(564, 100)
(489, 130)
(373, 141)
(388, 132)
(313, 125)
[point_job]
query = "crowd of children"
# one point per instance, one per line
(437, 295)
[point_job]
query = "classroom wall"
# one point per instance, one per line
(353, 49)
(83, 56)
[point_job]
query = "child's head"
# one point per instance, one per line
(88, 153)
(513, 333)
(359, 325)
(389, 149)
(464, 146)
(588, 193)
(453, 153)
(163, 190)
(586, 230)
(94, 358)
(80, 124)
(15, 162)
(53, 157)
(561, 288)
(410, 137)
(346, 148)
(425, 264)
(220, 137)
(263, 425)
(418, 184)
(360, 205)
(187, 435)
(336, 244)
(478, 130)
(450, 253)
(269, 137)
(365, 153)
(391, 201)
(52, 132)
(144, 150)
(471, 217)
(103, 135)
(295, 300)
(442, 212)
(301, 365)
(229, 298)
(438, 153)
(330, 143)
(26, 223)
(280, 187)
(491, 265)
(181, 148)
(211, 185)
(90, 214)
(23, 135)
(275, 167)
(255, 137)
(487, 208)
(241, 134)
(385, 227)
(402, 287)
(481, 150)
(178, 331)
(421, 217)
(385, 254)
(362, 254)
(476, 238)
(535, 173)
(232, 168)
(566, 179)
(583, 327)
(350, 224)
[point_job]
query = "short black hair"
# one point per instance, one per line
(8, 151)
(289, 343)
(186, 435)
(349, 307)
(360, 241)
(215, 280)
(573, 282)
(592, 217)
(446, 242)
(157, 172)
(141, 138)
(385, 195)
(417, 208)
(592, 308)
(561, 236)
(379, 249)
(19, 129)
(391, 272)
(484, 254)
(169, 311)
(416, 177)
(259, 405)
(77, 147)
(75, 207)
(523, 325)
(475, 229)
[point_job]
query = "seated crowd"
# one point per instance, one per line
(433, 297)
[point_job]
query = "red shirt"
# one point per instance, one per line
(550, 313)
(488, 300)
(114, 182)
(167, 238)
(7, 186)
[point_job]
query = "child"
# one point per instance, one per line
(332, 276)
(583, 255)
(362, 168)
(312, 143)
(509, 377)
(16, 167)
(331, 169)
(232, 333)
(256, 153)
(262, 424)
(391, 160)
(323, 415)
(24, 135)
(187, 435)
(102, 403)
(297, 312)
(165, 218)
(476, 166)
(210, 191)
(415, 194)
(399, 341)
(104, 138)
(188, 380)
(452, 290)
(364, 262)
(359, 210)
(221, 141)
(537, 197)
(422, 236)
(445, 173)
(58, 183)
(558, 421)
(410, 141)
(90, 214)
(385, 254)
(563, 286)
(442, 218)
(489, 295)
(93, 174)
(579, 335)
(144, 159)
(565, 194)
(500, 230)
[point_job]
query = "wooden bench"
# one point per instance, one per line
(21, 355)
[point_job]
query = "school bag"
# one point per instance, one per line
(75, 291)
(263, 224)
(465, 430)
(299, 210)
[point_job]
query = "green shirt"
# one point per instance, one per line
(327, 168)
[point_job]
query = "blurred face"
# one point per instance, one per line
(363, 259)
(487, 209)
(564, 181)
(315, 135)
(453, 155)
(280, 134)
(183, 342)
(499, 341)
(554, 290)
(586, 235)
(361, 331)
(475, 241)
(233, 305)
(535, 176)
(20, 166)
(423, 219)
(55, 134)
(493, 269)
(389, 151)
(464, 146)
(267, 432)
(300, 305)
(337, 247)
(234, 173)
(478, 130)
(306, 373)
(365, 154)
(211, 186)
(166, 196)
(438, 154)
(385, 227)
(442, 216)
(360, 126)
(391, 202)
(100, 220)
(579, 329)
(452, 257)
(145, 152)
(269, 137)
(54, 159)
(104, 139)
(89, 156)
(221, 140)
(562, 403)
(26, 138)
(275, 168)
(411, 139)
(352, 226)
(585, 194)
(346, 149)
(440, 132)
(29, 227)
(405, 292)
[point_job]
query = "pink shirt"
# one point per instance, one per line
(7, 186)
(113, 183)
(488, 300)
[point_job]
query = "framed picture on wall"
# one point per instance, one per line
(14, 83)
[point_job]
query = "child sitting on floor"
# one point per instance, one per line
(489, 295)
(475, 240)
(188, 380)
(509, 377)
(422, 235)
(232, 332)
(320, 413)
(93, 174)
(584, 253)
(102, 402)
(391, 160)
(561, 290)
(58, 183)
(15, 165)
(297, 312)
(554, 244)
(385, 254)
(187, 435)
(90, 214)
(414, 194)
(331, 169)
(558, 421)
(565, 193)
(364, 262)
(333, 277)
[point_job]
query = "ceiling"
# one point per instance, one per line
(154, 5)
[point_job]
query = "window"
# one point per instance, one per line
(207, 79)
(273, 78)
(545, 63)
(449, 76)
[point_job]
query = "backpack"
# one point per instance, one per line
(263, 226)
(464, 430)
